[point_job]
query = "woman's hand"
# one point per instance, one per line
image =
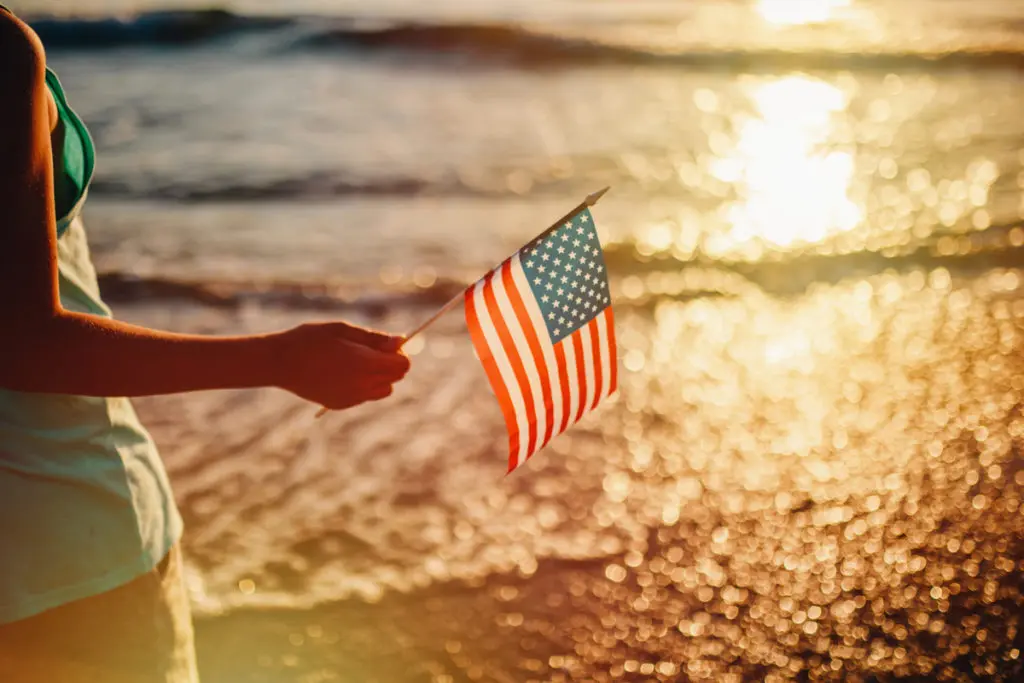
(339, 365)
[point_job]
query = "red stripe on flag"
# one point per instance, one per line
(563, 379)
(531, 338)
(513, 356)
(595, 347)
(581, 374)
(613, 360)
(483, 350)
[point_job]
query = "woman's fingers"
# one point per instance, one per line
(379, 393)
(380, 341)
(378, 364)
(340, 366)
(358, 395)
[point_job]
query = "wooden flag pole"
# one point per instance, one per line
(455, 300)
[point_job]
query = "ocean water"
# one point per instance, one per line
(812, 470)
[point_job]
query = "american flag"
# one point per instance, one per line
(542, 326)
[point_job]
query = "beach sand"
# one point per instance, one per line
(823, 486)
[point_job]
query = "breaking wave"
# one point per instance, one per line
(786, 276)
(123, 287)
(152, 28)
(484, 43)
(312, 187)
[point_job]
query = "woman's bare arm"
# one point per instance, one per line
(44, 348)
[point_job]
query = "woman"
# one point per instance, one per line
(90, 582)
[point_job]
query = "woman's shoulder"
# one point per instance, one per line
(21, 52)
(22, 75)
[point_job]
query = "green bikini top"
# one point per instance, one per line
(71, 180)
(79, 159)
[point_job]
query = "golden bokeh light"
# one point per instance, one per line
(792, 186)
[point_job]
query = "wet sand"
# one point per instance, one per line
(823, 486)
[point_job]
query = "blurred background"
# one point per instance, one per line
(812, 470)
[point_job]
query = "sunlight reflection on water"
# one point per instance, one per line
(792, 187)
(794, 12)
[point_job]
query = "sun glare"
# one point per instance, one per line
(795, 12)
(791, 188)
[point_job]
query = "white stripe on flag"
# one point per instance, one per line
(606, 365)
(588, 365)
(508, 376)
(544, 339)
(574, 383)
(508, 314)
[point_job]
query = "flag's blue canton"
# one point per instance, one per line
(567, 274)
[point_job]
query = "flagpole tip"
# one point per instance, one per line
(592, 199)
